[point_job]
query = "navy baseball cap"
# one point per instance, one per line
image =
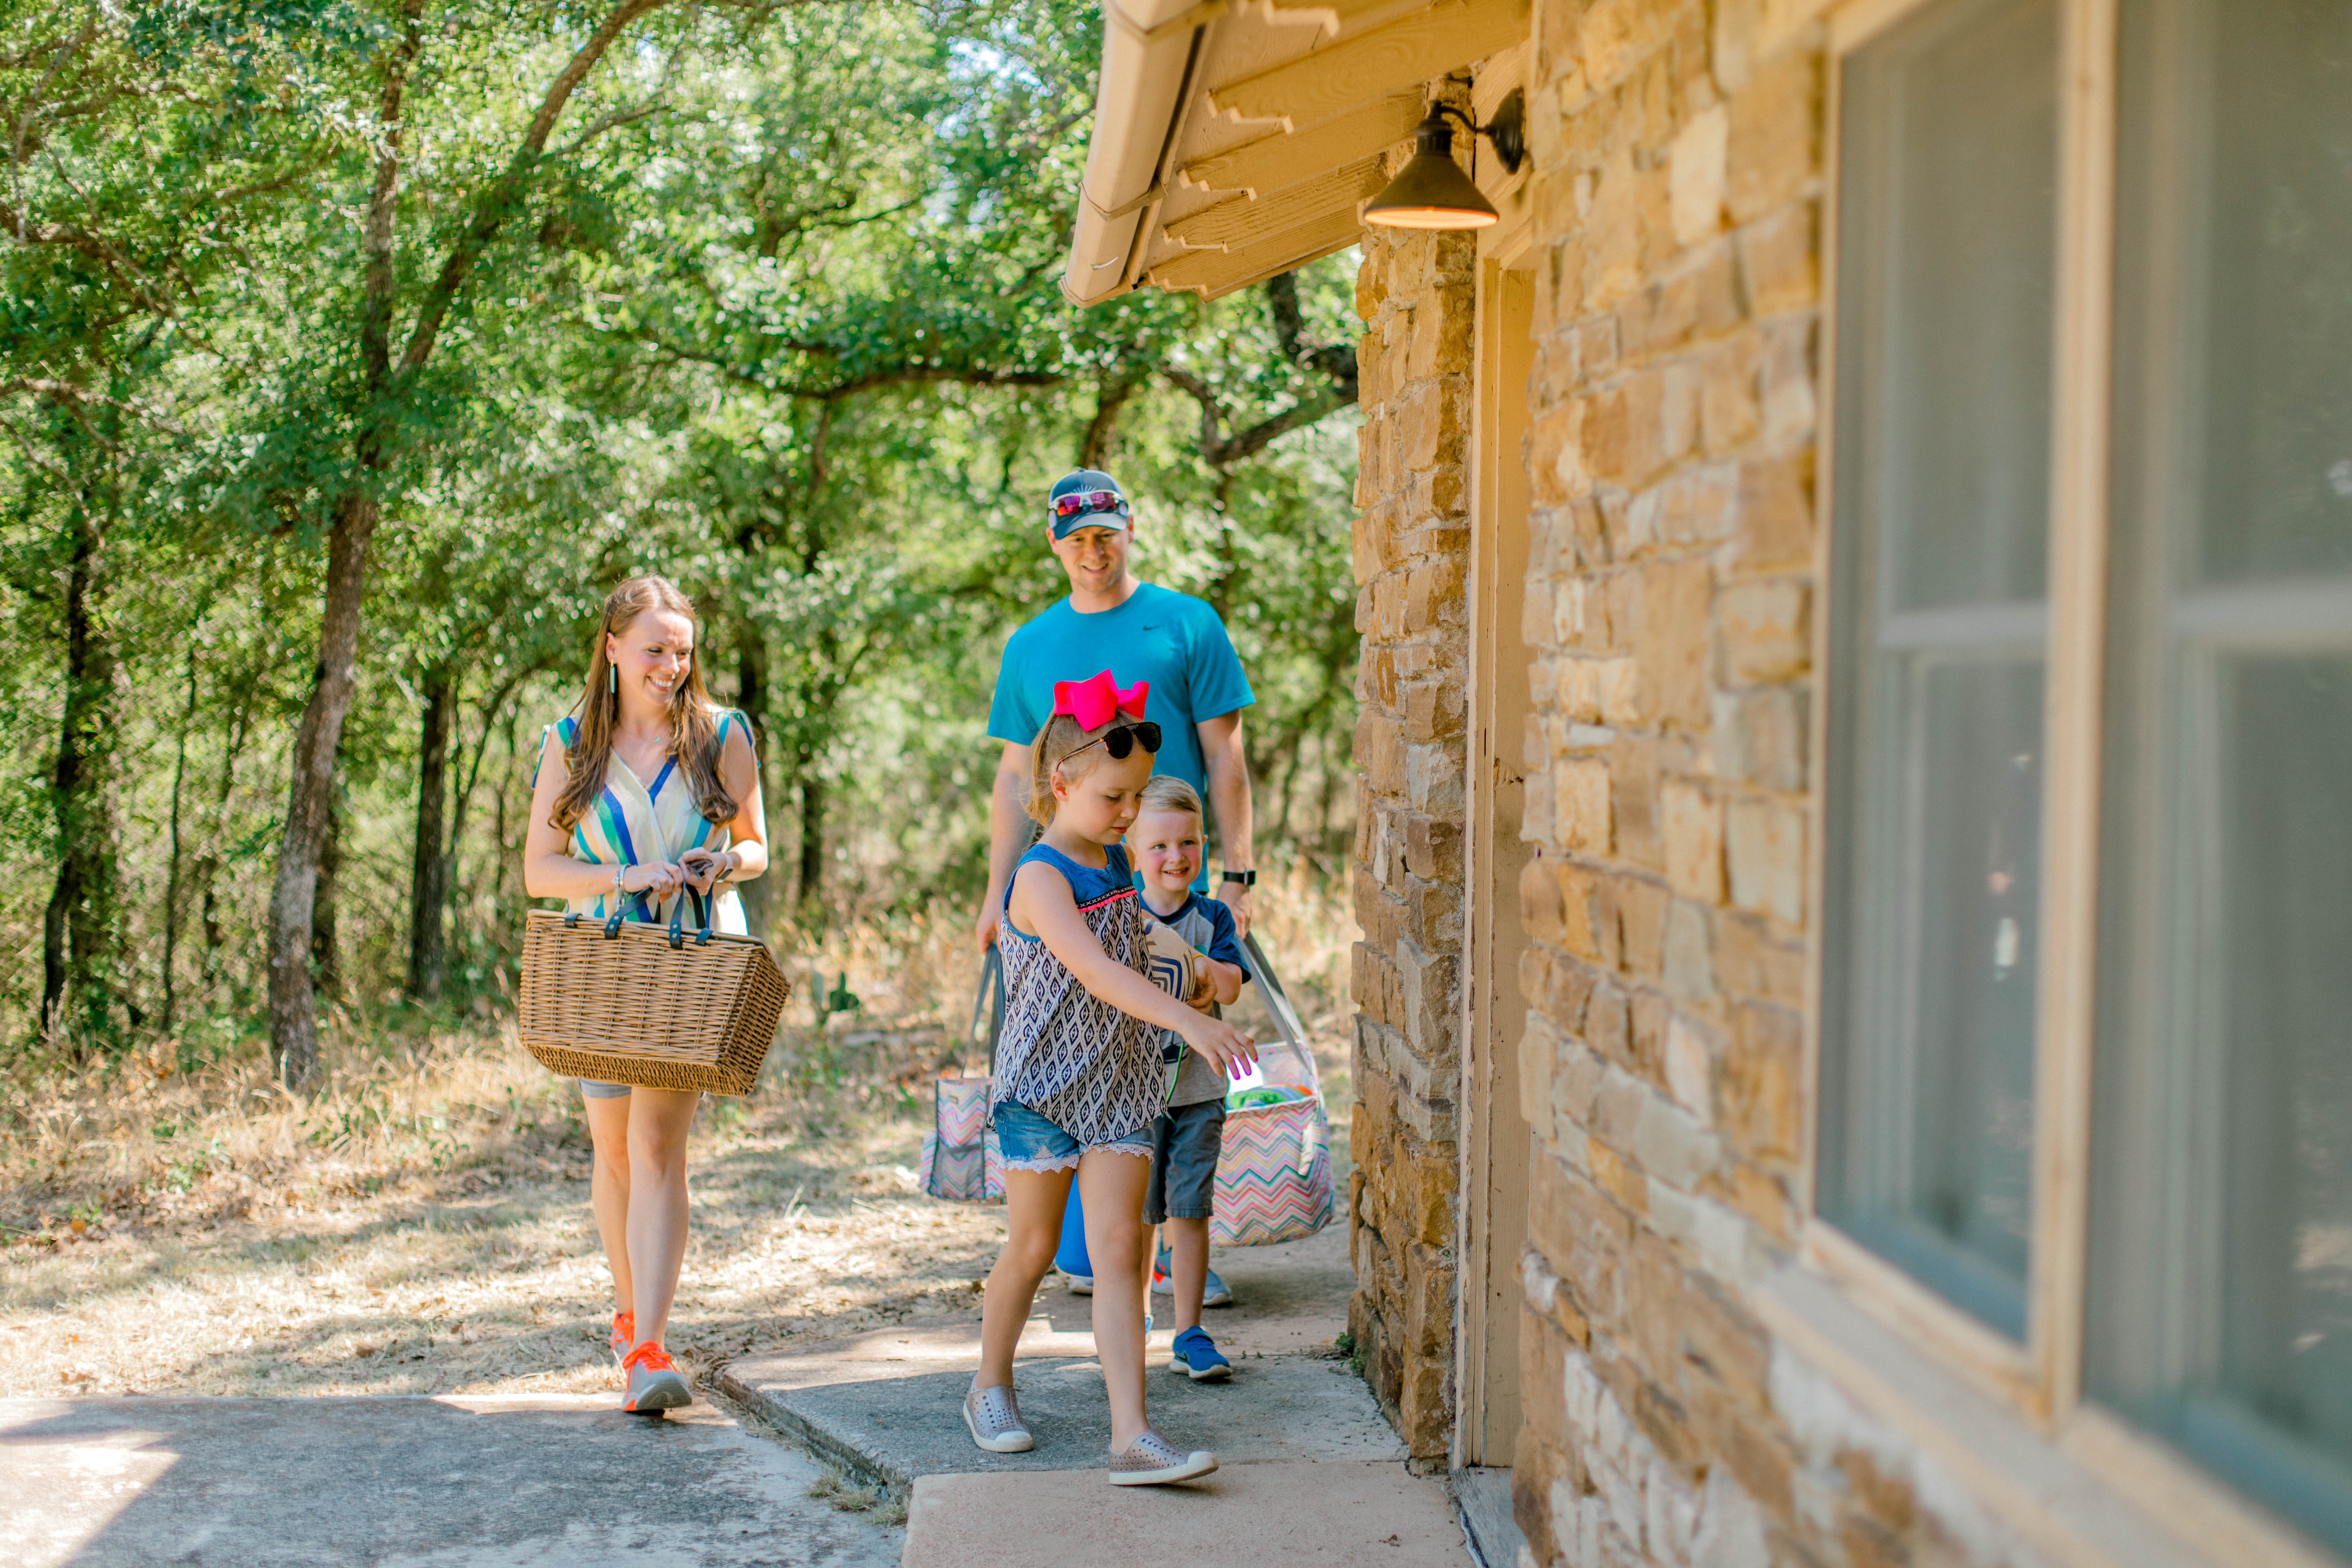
(1086, 498)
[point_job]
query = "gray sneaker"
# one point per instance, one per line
(994, 1417)
(1152, 1460)
(654, 1384)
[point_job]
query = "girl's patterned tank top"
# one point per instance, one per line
(1092, 1070)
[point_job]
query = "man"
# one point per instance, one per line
(1137, 631)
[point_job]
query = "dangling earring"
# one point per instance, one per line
(613, 679)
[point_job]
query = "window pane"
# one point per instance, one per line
(1947, 219)
(2220, 1287)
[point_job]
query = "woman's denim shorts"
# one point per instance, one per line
(1030, 1142)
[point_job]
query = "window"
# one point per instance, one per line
(2220, 1234)
(2085, 1022)
(1946, 270)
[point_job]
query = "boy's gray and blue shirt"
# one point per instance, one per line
(1209, 926)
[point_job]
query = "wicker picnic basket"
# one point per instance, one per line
(624, 1002)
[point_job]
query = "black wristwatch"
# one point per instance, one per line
(1246, 878)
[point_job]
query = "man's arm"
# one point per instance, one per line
(1008, 832)
(1229, 802)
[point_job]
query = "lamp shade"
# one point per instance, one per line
(1431, 191)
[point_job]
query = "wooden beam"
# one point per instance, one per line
(1238, 221)
(1328, 81)
(1213, 272)
(1284, 159)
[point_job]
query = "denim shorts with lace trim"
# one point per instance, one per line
(1030, 1142)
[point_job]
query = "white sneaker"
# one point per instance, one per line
(1152, 1460)
(994, 1417)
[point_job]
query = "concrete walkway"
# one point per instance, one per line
(1311, 1470)
(560, 1481)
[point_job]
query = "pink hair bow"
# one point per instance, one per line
(1097, 701)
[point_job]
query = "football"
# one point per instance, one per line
(1171, 962)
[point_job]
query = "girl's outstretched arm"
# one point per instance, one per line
(1042, 903)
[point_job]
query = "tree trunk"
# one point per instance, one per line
(310, 801)
(171, 878)
(429, 881)
(751, 696)
(326, 952)
(208, 859)
(77, 934)
(812, 834)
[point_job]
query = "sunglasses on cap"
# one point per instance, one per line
(1077, 503)
(1121, 742)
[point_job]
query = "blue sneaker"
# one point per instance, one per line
(1198, 1358)
(1213, 1292)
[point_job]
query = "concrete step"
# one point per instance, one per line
(1359, 1513)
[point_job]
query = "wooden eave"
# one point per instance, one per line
(1285, 118)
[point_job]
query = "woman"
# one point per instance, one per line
(645, 791)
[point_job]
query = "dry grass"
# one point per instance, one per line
(422, 1226)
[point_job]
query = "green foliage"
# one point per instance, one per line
(777, 315)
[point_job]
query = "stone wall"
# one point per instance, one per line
(1412, 549)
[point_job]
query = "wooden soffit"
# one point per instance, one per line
(1238, 138)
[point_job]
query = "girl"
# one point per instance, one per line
(1078, 1075)
(647, 791)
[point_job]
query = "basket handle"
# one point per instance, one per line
(677, 915)
(989, 1002)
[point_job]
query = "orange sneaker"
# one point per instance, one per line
(655, 1383)
(624, 1334)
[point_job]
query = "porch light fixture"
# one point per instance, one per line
(1431, 191)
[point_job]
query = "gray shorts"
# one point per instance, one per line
(1184, 1144)
(590, 1088)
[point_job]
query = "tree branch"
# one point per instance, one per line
(505, 192)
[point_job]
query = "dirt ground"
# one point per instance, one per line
(424, 1229)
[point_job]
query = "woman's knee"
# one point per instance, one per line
(1115, 1237)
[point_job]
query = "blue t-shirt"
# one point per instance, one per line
(1173, 640)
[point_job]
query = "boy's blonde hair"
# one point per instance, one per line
(1062, 736)
(1166, 792)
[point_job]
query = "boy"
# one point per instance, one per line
(1167, 844)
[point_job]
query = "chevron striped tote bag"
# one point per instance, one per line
(1274, 1168)
(1274, 1175)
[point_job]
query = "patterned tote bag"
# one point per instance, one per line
(960, 1160)
(1274, 1170)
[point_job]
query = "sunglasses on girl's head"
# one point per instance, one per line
(1121, 742)
(1081, 501)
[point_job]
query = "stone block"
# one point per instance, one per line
(1433, 847)
(1432, 778)
(1765, 630)
(1765, 844)
(1690, 1069)
(1692, 824)
(1763, 1108)
(1760, 737)
(1780, 265)
(1433, 708)
(1581, 804)
(1633, 799)
(1775, 121)
(1689, 965)
(1441, 334)
(1791, 407)
(1754, 964)
(1695, 160)
(1774, 531)
(1642, 926)
(1731, 397)
(1669, 641)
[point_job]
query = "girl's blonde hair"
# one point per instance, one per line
(1056, 743)
(693, 731)
(1166, 792)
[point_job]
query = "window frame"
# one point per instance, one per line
(2038, 1381)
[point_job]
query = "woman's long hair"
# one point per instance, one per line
(693, 733)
